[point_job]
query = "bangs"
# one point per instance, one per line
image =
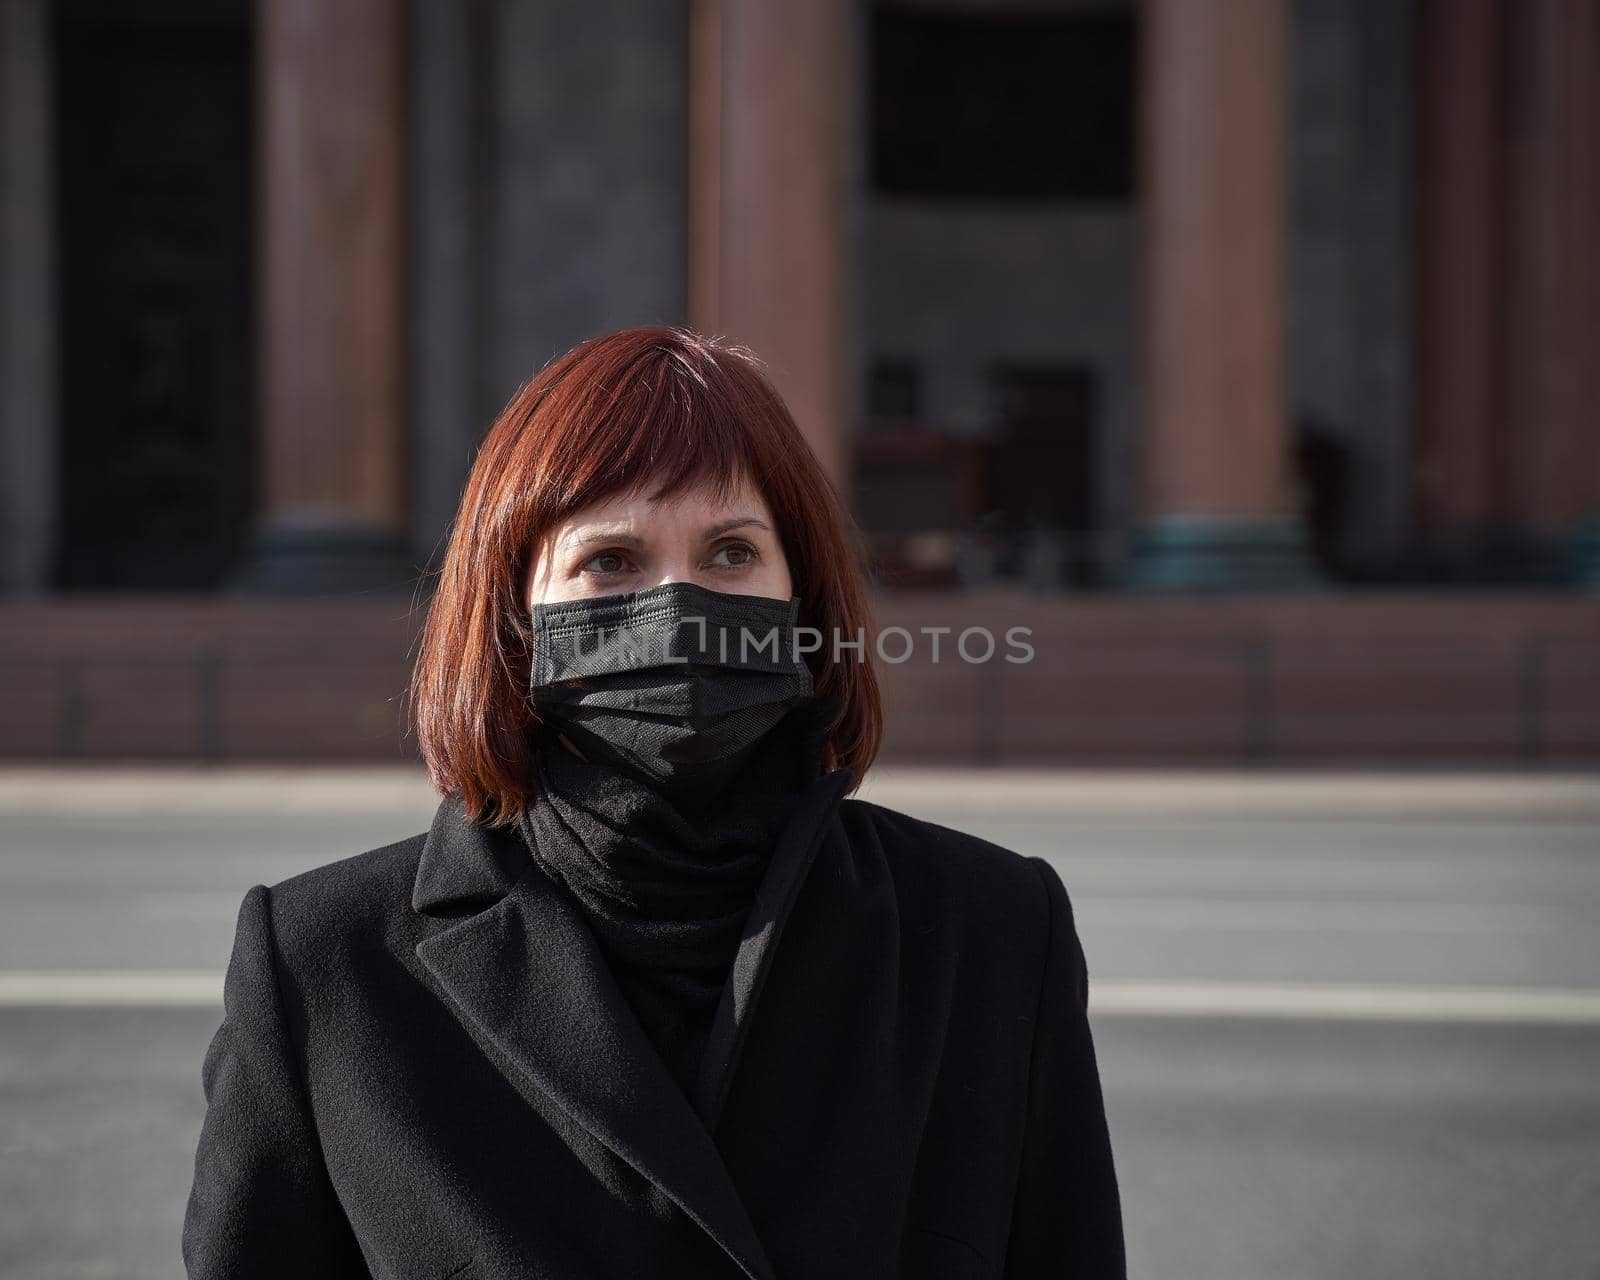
(656, 426)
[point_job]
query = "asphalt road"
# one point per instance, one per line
(1452, 1133)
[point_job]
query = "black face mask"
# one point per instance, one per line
(677, 683)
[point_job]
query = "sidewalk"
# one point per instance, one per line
(1065, 793)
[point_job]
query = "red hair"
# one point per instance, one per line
(658, 409)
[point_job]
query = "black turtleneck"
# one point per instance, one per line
(667, 887)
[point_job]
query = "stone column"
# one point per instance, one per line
(332, 317)
(29, 422)
(447, 185)
(1554, 284)
(1219, 511)
(1459, 446)
(772, 88)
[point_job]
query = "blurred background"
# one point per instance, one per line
(1243, 350)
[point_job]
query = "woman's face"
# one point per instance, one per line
(631, 543)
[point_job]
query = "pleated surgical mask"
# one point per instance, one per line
(677, 683)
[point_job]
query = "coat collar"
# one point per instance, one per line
(525, 970)
(463, 864)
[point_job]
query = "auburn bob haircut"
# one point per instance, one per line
(651, 410)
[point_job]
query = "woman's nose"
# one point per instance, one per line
(675, 573)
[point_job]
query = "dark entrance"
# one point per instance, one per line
(154, 156)
(1041, 461)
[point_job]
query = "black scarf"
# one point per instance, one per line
(665, 888)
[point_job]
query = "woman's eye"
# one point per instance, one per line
(606, 562)
(736, 555)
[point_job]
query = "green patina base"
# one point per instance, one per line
(1584, 551)
(1222, 553)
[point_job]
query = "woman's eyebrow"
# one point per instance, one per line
(738, 522)
(611, 537)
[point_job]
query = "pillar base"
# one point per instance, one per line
(1221, 553)
(326, 559)
(1585, 553)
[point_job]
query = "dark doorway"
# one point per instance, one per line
(1041, 470)
(154, 159)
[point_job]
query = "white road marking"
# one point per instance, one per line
(1118, 998)
(1299, 916)
(66, 989)
(1108, 998)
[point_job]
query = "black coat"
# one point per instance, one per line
(426, 1070)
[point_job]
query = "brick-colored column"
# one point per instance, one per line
(29, 423)
(1219, 510)
(1553, 312)
(771, 90)
(332, 429)
(1459, 441)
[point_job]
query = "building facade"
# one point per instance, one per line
(1246, 349)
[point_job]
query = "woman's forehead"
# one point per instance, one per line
(697, 501)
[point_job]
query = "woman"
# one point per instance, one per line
(652, 996)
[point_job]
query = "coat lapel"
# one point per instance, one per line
(526, 972)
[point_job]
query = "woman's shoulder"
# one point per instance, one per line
(347, 902)
(999, 876)
(358, 877)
